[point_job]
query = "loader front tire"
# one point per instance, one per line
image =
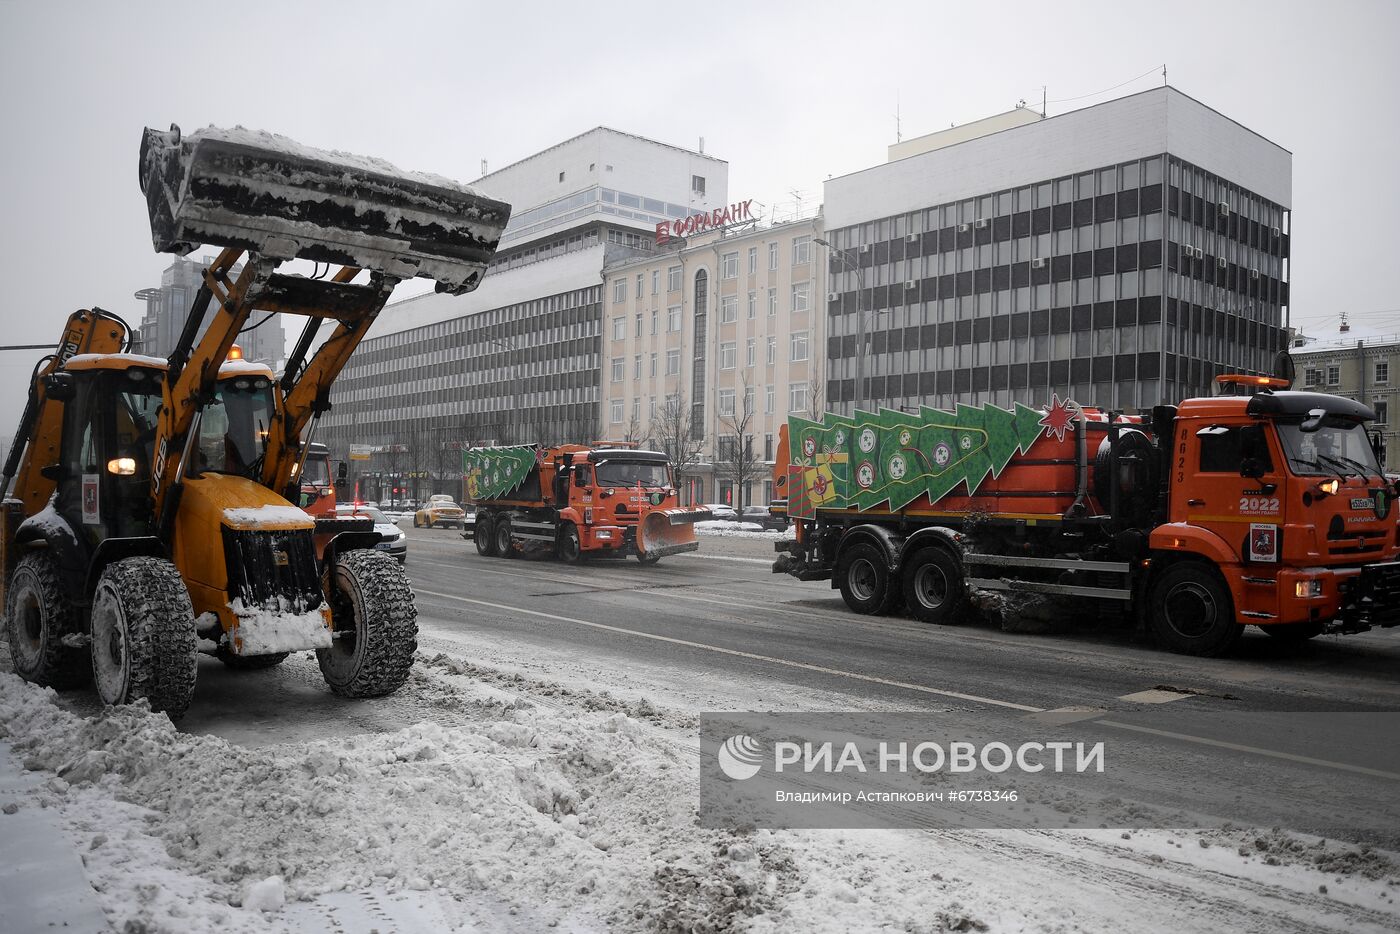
(144, 643)
(38, 614)
(864, 579)
(375, 624)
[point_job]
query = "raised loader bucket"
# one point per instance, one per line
(269, 194)
(670, 531)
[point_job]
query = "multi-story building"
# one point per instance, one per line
(1123, 254)
(518, 359)
(1357, 362)
(168, 307)
(709, 346)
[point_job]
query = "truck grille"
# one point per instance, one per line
(265, 565)
(1358, 543)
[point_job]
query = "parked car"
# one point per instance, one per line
(394, 541)
(722, 511)
(763, 517)
(440, 510)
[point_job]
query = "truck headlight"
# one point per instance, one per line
(1308, 588)
(605, 535)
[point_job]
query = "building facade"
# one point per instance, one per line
(709, 346)
(518, 360)
(168, 307)
(1358, 363)
(1124, 255)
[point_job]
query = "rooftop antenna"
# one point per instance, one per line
(1345, 326)
(898, 131)
(1044, 111)
(702, 145)
(1164, 75)
(483, 167)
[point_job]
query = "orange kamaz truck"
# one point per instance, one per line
(576, 501)
(1267, 508)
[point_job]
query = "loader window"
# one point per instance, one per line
(233, 430)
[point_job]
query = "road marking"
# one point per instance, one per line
(1255, 750)
(789, 663)
(1155, 696)
(696, 554)
(1062, 715)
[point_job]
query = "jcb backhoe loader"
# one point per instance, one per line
(150, 517)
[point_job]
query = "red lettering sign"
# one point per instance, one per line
(696, 223)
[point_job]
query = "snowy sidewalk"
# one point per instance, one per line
(42, 883)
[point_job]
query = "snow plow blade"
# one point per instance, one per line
(266, 193)
(662, 533)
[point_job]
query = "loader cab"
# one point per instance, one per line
(233, 427)
(109, 429)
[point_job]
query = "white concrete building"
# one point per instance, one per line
(517, 360)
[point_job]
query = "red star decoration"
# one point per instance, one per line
(1058, 417)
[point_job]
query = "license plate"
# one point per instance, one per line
(1366, 503)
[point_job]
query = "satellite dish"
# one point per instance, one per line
(1283, 366)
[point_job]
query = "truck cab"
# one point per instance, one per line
(1285, 495)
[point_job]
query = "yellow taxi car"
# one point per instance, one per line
(439, 510)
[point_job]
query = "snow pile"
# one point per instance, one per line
(280, 628)
(728, 528)
(268, 517)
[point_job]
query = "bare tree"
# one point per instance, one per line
(671, 430)
(816, 405)
(634, 425)
(735, 459)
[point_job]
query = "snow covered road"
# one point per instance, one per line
(537, 773)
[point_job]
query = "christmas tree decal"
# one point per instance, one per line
(894, 457)
(493, 472)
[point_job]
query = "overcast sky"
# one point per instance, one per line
(788, 93)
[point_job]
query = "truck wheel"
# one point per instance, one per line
(933, 587)
(502, 537)
(376, 626)
(1294, 632)
(144, 642)
(1192, 612)
(485, 536)
(567, 547)
(249, 662)
(864, 579)
(38, 614)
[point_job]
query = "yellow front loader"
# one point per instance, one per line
(151, 516)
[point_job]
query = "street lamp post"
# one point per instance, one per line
(854, 265)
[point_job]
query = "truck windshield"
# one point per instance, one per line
(318, 470)
(1338, 448)
(632, 473)
(233, 429)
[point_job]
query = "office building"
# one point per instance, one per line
(1123, 254)
(168, 307)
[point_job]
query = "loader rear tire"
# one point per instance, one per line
(38, 614)
(375, 623)
(934, 588)
(1191, 611)
(250, 662)
(485, 536)
(864, 579)
(144, 643)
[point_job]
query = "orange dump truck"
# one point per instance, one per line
(576, 501)
(1268, 509)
